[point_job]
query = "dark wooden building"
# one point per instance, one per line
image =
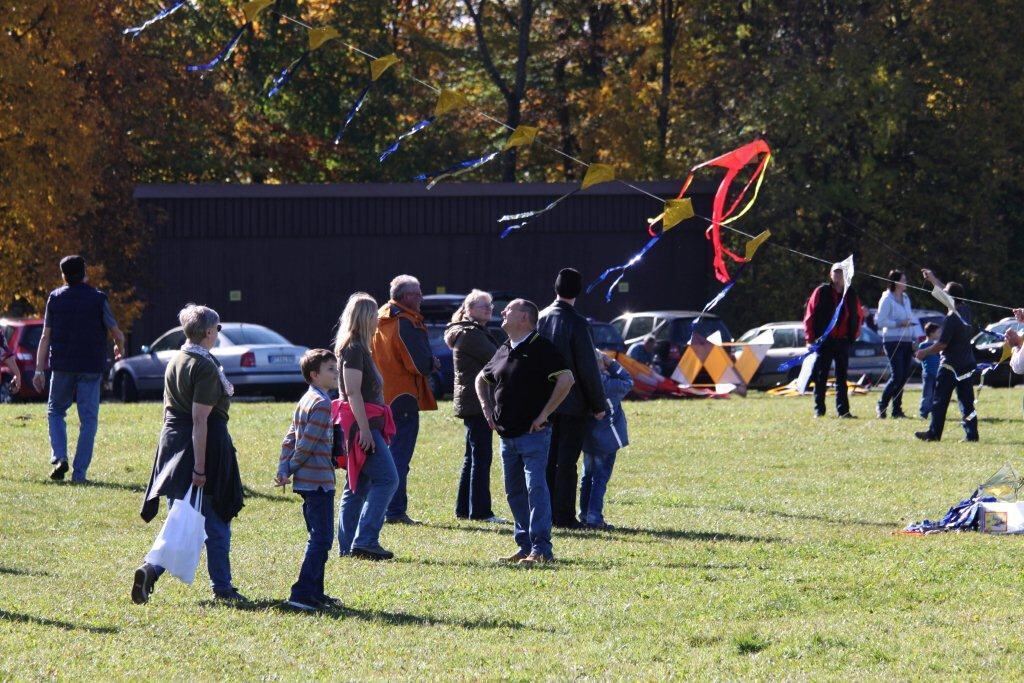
(288, 256)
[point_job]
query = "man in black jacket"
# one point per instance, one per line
(570, 333)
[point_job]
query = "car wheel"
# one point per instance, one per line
(124, 387)
(5, 392)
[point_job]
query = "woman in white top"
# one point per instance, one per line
(900, 330)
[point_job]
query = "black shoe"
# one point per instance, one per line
(848, 416)
(880, 412)
(303, 604)
(142, 584)
(926, 436)
(57, 474)
(402, 519)
(899, 415)
(230, 596)
(328, 602)
(377, 553)
(819, 413)
(569, 524)
(969, 440)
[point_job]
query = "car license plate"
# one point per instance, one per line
(281, 360)
(860, 353)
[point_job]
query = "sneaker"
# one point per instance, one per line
(880, 412)
(848, 416)
(328, 602)
(377, 553)
(143, 583)
(534, 560)
(926, 436)
(401, 519)
(898, 415)
(513, 559)
(494, 519)
(230, 596)
(601, 526)
(819, 413)
(58, 472)
(302, 604)
(969, 440)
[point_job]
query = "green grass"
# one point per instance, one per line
(755, 542)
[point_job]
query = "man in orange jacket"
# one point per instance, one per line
(401, 350)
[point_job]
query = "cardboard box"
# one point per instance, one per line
(1001, 518)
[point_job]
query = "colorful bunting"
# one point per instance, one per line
(377, 69)
(596, 173)
(162, 14)
(447, 101)
(317, 38)
(382, 64)
(522, 135)
(621, 270)
(251, 10)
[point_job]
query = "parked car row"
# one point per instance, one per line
(258, 360)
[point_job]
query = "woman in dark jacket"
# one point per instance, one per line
(195, 449)
(472, 346)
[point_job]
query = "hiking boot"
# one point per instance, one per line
(58, 472)
(142, 584)
(514, 558)
(534, 560)
(926, 436)
(377, 553)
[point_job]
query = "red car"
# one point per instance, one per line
(23, 338)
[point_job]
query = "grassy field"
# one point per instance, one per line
(755, 542)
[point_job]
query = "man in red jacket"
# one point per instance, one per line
(821, 306)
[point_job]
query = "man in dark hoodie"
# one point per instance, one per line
(570, 333)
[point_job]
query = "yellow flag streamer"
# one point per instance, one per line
(449, 100)
(251, 10)
(598, 173)
(319, 36)
(382, 64)
(756, 242)
(521, 136)
(676, 211)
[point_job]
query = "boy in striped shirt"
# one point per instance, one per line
(306, 458)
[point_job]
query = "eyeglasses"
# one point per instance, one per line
(218, 328)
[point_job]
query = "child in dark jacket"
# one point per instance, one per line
(603, 440)
(929, 369)
(307, 455)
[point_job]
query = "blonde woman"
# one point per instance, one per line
(372, 478)
(472, 346)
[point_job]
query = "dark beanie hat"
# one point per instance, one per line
(569, 283)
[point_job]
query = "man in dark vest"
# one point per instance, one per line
(74, 342)
(836, 347)
(570, 333)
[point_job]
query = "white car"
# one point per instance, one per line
(256, 360)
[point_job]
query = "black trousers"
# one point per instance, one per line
(567, 433)
(945, 384)
(837, 351)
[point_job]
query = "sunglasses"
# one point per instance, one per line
(218, 328)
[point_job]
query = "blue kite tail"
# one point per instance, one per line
(352, 113)
(412, 131)
(636, 258)
(224, 53)
(287, 73)
(162, 14)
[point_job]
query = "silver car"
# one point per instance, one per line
(256, 360)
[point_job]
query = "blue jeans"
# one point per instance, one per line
(84, 390)
(900, 357)
(362, 513)
(318, 511)
(945, 384)
(597, 470)
(218, 549)
(927, 392)
(474, 497)
(525, 461)
(402, 446)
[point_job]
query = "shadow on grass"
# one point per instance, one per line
(378, 616)
(279, 498)
(95, 484)
(64, 625)
(677, 535)
(770, 513)
(14, 571)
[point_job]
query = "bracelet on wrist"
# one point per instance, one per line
(198, 473)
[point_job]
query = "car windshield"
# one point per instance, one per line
(869, 336)
(253, 334)
(30, 336)
(605, 334)
(987, 337)
(680, 329)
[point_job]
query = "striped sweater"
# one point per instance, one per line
(306, 450)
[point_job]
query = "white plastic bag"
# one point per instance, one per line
(178, 545)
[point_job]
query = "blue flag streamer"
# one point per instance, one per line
(412, 131)
(162, 14)
(524, 217)
(622, 269)
(458, 169)
(287, 73)
(224, 53)
(352, 113)
(813, 348)
(718, 298)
